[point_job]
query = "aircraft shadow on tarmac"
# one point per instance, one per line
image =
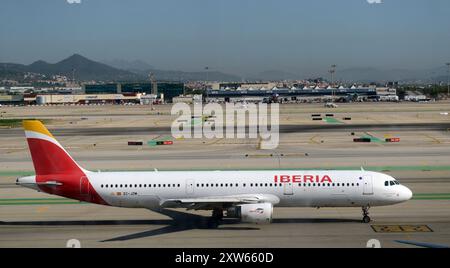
(180, 221)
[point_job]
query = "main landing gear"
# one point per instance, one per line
(217, 216)
(366, 218)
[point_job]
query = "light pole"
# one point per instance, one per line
(207, 73)
(448, 79)
(332, 71)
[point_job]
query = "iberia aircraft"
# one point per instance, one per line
(247, 195)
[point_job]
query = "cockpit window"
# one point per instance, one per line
(392, 183)
(386, 183)
(396, 182)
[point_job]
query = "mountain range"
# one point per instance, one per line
(85, 69)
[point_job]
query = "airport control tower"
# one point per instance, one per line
(154, 84)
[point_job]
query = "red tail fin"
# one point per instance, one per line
(56, 171)
(49, 157)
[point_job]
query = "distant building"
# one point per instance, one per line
(290, 95)
(242, 85)
(385, 91)
(170, 90)
(87, 99)
(166, 89)
(11, 99)
(100, 89)
(189, 99)
(136, 88)
(416, 98)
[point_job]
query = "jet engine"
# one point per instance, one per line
(252, 213)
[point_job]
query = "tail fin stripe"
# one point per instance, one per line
(39, 135)
(36, 126)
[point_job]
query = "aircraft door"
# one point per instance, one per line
(367, 185)
(288, 188)
(189, 186)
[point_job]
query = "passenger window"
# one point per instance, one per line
(237, 184)
(318, 184)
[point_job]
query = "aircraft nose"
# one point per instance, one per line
(406, 193)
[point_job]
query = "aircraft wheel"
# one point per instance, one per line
(366, 219)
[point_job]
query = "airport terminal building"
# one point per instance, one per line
(295, 95)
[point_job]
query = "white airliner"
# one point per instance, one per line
(247, 195)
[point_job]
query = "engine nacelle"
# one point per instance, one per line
(252, 213)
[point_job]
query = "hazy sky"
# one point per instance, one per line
(236, 36)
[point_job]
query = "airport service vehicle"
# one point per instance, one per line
(247, 195)
(330, 105)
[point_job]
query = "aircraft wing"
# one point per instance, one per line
(211, 202)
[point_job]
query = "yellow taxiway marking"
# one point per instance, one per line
(42, 209)
(401, 228)
(435, 140)
(216, 141)
(312, 139)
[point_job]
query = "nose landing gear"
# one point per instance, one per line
(366, 218)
